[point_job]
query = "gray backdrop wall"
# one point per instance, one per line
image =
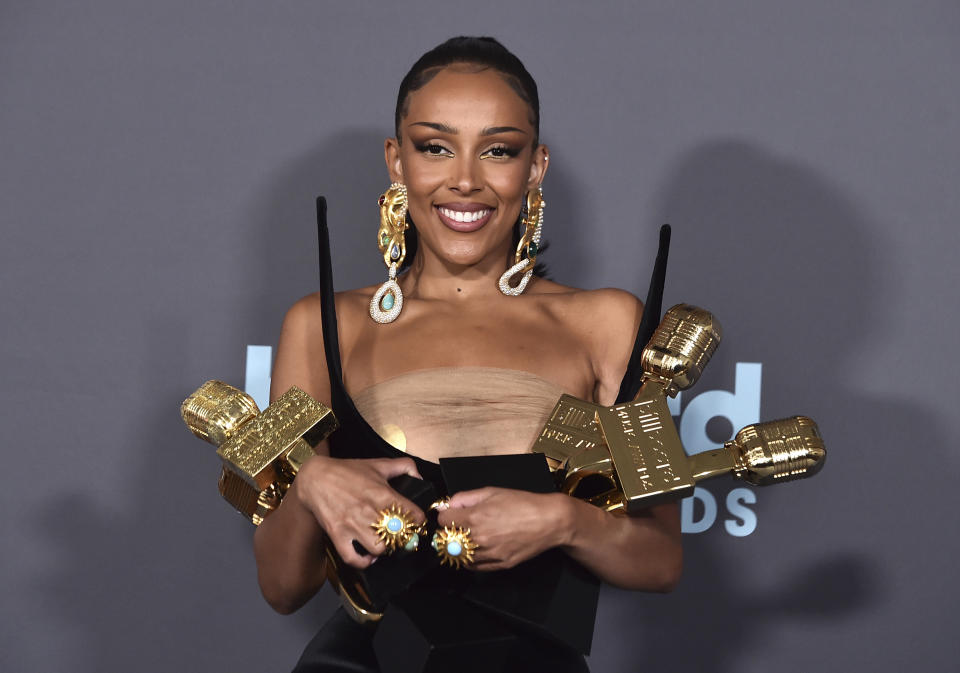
(158, 165)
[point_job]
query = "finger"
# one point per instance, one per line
(359, 562)
(408, 506)
(394, 467)
(484, 557)
(362, 527)
(370, 535)
(370, 541)
(459, 518)
(488, 566)
(349, 555)
(471, 498)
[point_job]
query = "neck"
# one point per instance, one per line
(433, 278)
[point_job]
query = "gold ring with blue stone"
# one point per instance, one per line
(396, 529)
(454, 546)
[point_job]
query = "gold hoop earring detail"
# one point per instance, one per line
(387, 302)
(525, 257)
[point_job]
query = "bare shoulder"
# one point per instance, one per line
(301, 354)
(304, 314)
(607, 309)
(307, 312)
(616, 309)
(353, 313)
(606, 322)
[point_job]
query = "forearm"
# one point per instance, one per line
(641, 552)
(288, 546)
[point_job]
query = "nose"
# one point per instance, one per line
(466, 175)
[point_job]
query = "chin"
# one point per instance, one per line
(462, 255)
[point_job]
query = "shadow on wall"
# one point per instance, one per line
(169, 583)
(795, 273)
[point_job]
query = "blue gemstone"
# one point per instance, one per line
(395, 252)
(386, 303)
(412, 543)
(394, 525)
(454, 548)
(433, 542)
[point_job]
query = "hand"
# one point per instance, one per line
(346, 496)
(509, 526)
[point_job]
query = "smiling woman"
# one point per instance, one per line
(468, 161)
(470, 361)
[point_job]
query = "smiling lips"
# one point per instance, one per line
(464, 217)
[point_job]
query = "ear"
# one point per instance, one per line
(538, 167)
(391, 154)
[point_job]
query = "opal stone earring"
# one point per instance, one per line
(387, 302)
(525, 258)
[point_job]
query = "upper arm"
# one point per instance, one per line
(615, 316)
(300, 357)
(624, 312)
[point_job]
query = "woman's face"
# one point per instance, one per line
(467, 157)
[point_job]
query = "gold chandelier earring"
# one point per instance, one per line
(525, 257)
(386, 303)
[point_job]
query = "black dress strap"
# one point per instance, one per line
(331, 338)
(355, 438)
(652, 311)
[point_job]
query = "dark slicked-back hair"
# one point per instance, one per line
(485, 52)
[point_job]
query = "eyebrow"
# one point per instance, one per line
(489, 131)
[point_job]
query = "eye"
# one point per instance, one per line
(433, 149)
(500, 152)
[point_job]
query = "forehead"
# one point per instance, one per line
(462, 95)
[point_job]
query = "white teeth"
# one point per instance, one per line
(465, 216)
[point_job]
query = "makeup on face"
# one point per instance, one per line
(466, 155)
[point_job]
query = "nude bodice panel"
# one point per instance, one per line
(459, 411)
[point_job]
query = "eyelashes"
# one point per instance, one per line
(496, 152)
(432, 149)
(502, 151)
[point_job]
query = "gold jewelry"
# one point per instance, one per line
(529, 245)
(441, 505)
(454, 546)
(387, 302)
(395, 528)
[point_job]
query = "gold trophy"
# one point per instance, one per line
(261, 454)
(629, 456)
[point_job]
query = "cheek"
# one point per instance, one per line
(425, 178)
(420, 173)
(508, 179)
(421, 184)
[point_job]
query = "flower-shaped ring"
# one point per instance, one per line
(396, 529)
(454, 546)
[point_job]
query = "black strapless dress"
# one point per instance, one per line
(344, 645)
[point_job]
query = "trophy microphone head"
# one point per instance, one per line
(775, 451)
(215, 411)
(681, 347)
